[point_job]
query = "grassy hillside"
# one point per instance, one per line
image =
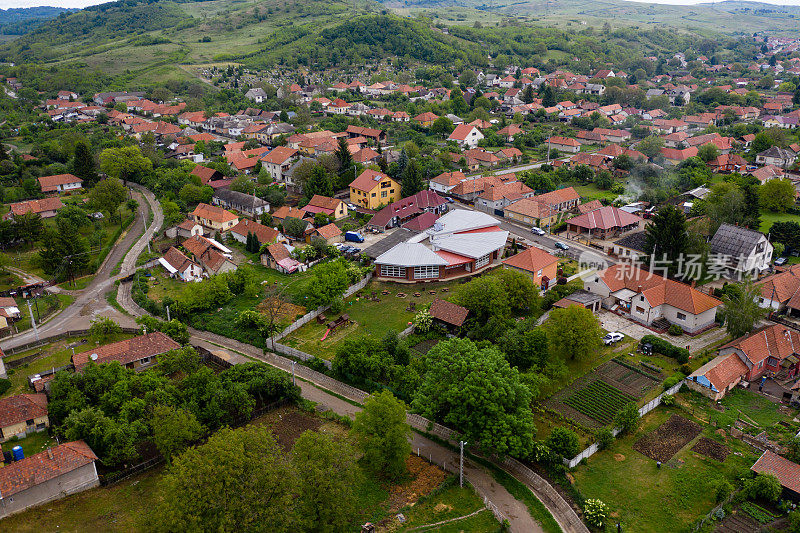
(731, 17)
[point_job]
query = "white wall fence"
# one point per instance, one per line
(646, 408)
(297, 354)
(312, 315)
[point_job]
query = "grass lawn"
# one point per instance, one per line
(451, 502)
(593, 192)
(9, 280)
(32, 444)
(662, 500)
(80, 283)
(370, 318)
(768, 218)
(52, 356)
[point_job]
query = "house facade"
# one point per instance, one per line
(372, 189)
(652, 300)
(214, 217)
(60, 183)
(744, 252)
(137, 353)
(534, 262)
(22, 415)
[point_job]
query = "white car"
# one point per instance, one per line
(537, 231)
(612, 337)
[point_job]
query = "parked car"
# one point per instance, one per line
(538, 231)
(612, 337)
(353, 236)
(561, 246)
(780, 261)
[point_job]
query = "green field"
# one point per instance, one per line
(599, 400)
(768, 218)
(661, 500)
(370, 318)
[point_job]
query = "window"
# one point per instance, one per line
(681, 316)
(383, 194)
(40, 426)
(392, 271)
(374, 194)
(760, 364)
(426, 272)
(29, 422)
(771, 361)
(639, 309)
(391, 191)
(483, 261)
(539, 272)
(145, 360)
(386, 184)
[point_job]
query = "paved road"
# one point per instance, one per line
(90, 302)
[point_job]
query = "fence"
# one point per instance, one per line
(646, 408)
(43, 341)
(297, 354)
(311, 315)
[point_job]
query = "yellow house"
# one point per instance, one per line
(214, 217)
(372, 189)
(530, 212)
(22, 414)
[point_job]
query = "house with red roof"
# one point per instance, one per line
(216, 218)
(653, 300)
(494, 199)
(448, 314)
(604, 223)
(263, 233)
(372, 189)
(44, 207)
(60, 183)
(446, 181)
(179, 266)
(466, 135)
(137, 353)
(333, 207)
(426, 119)
(564, 144)
(772, 351)
(539, 265)
(22, 414)
(715, 378)
(787, 472)
(405, 210)
(330, 233)
(47, 476)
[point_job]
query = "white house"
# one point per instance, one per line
(466, 135)
(648, 298)
(745, 252)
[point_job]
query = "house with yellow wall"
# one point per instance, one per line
(372, 189)
(22, 414)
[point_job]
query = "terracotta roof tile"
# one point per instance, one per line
(40, 468)
(22, 407)
(531, 260)
(448, 312)
(127, 351)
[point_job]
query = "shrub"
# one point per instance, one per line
(564, 442)
(671, 382)
(337, 305)
(423, 321)
(595, 512)
(675, 330)
(668, 400)
(605, 438)
(764, 487)
(5, 384)
(628, 418)
(723, 490)
(667, 349)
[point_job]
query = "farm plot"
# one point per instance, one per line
(711, 448)
(629, 380)
(668, 439)
(599, 401)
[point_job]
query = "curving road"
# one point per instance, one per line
(91, 302)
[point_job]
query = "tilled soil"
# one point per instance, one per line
(711, 448)
(668, 439)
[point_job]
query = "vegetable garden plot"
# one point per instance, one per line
(668, 439)
(711, 448)
(599, 401)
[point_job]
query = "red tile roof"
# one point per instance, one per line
(787, 472)
(36, 206)
(461, 132)
(329, 231)
(531, 260)
(448, 312)
(41, 468)
(265, 234)
(776, 341)
(605, 218)
(50, 183)
(368, 180)
(127, 351)
(16, 409)
(213, 213)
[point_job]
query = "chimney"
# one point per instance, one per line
(638, 288)
(50, 453)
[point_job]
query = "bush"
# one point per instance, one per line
(675, 330)
(671, 382)
(627, 418)
(668, 400)
(764, 487)
(723, 490)
(667, 349)
(605, 438)
(564, 442)
(595, 512)
(5, 384)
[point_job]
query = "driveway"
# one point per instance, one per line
(612, 322)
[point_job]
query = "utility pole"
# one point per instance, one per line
(168, 314)
(33, 321)
(461, 464)
(293, 382)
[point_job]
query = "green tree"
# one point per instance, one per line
(777, 195)
(573, 333)
(412, 181)
(650, 146)
(328, 475)
(666, 236)
(548, 96)
(83, 164)
(126, 163)
(725, 204)
(708, 152)
(102, 328)
(525, 347)
(485, 297)
(328, 282)
(65, 252)
(740, 308)
(174, 429)
(476, 392)
(318, 183)
(564, 442)
(344, 156)
(765, 486)
(627, 419)
(108, 195)
(294, 227)
(29, 227)
(382, 432)
(442, 126)
(197, 492)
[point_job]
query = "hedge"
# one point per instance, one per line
(667, 349)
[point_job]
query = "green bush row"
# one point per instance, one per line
(667, 349)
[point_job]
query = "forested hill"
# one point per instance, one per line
(21, 20)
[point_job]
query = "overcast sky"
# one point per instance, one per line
(84, 3)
